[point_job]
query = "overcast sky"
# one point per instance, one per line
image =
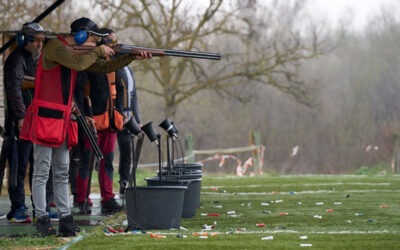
(359, 10)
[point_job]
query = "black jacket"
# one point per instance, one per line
(99, 91)
(19, 63)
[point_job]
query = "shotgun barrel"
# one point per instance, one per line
(123, 48)
(88, 132)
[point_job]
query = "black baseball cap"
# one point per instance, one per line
(88, 25)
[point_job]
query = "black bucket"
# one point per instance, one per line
(182, 174)
(189, 166)
(155, 207)
(192, 194)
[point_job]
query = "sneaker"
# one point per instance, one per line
(2, 216)
(111, 207)
(53, 216)
(43, 226)
(84, 207)
(20, 216)
(67, 228)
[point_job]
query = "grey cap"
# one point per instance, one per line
(32, 28)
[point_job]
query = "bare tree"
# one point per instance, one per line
(18, 11)
(260, 44)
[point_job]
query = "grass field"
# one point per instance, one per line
(357, 221)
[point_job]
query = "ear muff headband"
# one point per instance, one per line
(80, 37)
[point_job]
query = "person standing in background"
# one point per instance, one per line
(19, 94)
(124, 137)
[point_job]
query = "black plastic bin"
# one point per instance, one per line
(192, 194)
(189, 166)
(155, 207)
(192, 174)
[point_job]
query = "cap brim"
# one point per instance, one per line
(97, 33)
(35, 32)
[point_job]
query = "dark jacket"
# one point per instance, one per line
(130, 97)
(19, 63)
(99, 91)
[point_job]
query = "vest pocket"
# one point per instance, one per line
(26, 127)
(49, 129)
(72, 134)
(102, 121)
(118, 122)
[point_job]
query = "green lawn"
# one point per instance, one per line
(376, 228)
(340, 229)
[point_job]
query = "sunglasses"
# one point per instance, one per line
(111, 41)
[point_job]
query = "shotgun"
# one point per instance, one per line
(135, 50)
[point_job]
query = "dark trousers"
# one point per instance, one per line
(75, 165)
(17, 193)
(126, 145)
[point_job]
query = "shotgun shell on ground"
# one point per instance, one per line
(158, 236)
(284, 213)
(268, 238)
(203, 214)
(260, 225)
(329, 210)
